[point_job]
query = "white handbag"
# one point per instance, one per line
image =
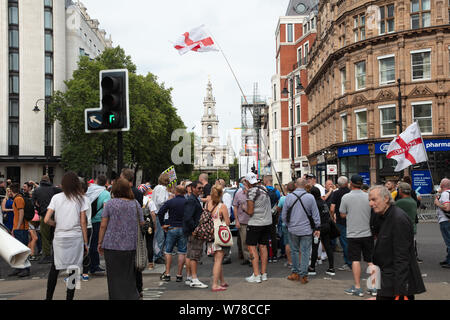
(222, 233)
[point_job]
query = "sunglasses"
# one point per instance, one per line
(199, 188)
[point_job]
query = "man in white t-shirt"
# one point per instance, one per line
(312, 180)
(443, 204)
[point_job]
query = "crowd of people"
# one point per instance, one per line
(76, 222)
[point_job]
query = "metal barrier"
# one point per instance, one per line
(427, 210)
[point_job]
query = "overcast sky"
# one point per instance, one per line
(244, 29)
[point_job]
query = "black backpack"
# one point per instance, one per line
(28, 210)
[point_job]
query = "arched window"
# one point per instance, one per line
(209, 111)
(210, 130)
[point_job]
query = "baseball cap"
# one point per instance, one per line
(251, 178)
(357, 180)
(310, 176)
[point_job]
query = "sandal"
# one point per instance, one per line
(218, 289)
(225, 285)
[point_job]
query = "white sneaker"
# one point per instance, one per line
(197, 284)
(253, 279)
(264, 277)
(188, 281)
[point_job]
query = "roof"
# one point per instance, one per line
(310, 5)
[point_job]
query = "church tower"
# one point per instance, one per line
(210, 121)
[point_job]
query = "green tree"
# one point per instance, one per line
(153, 118)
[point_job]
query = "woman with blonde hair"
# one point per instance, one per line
(7, 209)
(218, 210)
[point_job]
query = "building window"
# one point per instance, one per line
(48, 64)
(276, 150)
(13, 139)
(14, 62)
(421, 65)
(299, 146)
(360, 75)
(209, 130)
(13, 15)
(298, 115)
(290, 32)
(299, 56)
(275, 120)
(48, 3)
(14, 108)
(387, 69)
(387, 120)
(14, 39)
(48, 42)
(344, 128)
(359, 27)
(48, 20)
(306, 52)
(361, 124)
(48, 87)
(274, 92)
(343, 80)
(420, 14)
(387, 21)
(14, 84)
(422, 113)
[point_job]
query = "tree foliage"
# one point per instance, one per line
(153, 118)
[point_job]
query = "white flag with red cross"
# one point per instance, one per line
(197, 40)
(408, 148)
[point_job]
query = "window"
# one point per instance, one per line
(48, 3)
(48, 87)
(13, 84)
(387, 69)
(422, 113)
(360, 75)
(14, 108)
(306, 46)
(274, 92)
(48, 65)
(48, 42)
(299, 56)
(298, 115)
(48, 135)
(290, 33)
(420, 14)
(359, 27)
(387, 22)
(13, 138)
(343, 80)
(421, 65)
(275, 120)
(344, 127)
(276, 150)
(209, 130)
(387, 120)
(13, 15)
(14, 62)
(48, 19)
(361, 124)
(14, 39)
(299, 146)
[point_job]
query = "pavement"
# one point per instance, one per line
(320, 287)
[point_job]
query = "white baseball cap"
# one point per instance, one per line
(251, 178)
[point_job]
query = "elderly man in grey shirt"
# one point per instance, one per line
(301, 226)
(355, 207)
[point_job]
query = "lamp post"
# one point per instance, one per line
(400, 120)
(291, 91)
(36, 110)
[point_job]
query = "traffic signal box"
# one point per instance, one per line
(113, 114)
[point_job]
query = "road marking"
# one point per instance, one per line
(6, 296)
(152, 293)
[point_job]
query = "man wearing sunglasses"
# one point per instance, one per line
(192, 212)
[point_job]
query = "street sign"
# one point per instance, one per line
(332, 170)
(95, 120)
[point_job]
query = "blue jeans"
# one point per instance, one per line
(22, 236)
(445, 230)
(300, 245)
(176, 237)
(160, 239)
(344, 243)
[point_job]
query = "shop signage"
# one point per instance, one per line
(430, 146)
(357, 150)
(366, 177)
(421, 181)
(332, 170)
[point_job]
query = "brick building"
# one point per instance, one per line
(362, 48)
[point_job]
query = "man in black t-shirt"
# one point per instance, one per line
(341, 223)
(203, 178)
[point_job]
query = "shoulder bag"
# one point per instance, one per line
(141, 247)
(222, 233)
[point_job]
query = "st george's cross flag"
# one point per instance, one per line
(408, 148)
(197, 40)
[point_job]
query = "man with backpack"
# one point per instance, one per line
(23, 208)
(275, 196)
(443, 210)
(301, 215)
(42, 197)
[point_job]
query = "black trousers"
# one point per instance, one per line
(121, 275)
(393, 298)
(51, 284)
(273, 237)
(149, 242)
(326, 242)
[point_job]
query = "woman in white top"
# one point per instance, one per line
(70, 240)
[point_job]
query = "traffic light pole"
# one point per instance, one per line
(119, 152)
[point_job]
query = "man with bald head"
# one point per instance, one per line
(443, 210)
(394, 251)
(174, 230)
(301, 216)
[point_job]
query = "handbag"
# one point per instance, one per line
(222, 233)
(141, 247)
(205, 229)
(334, 231)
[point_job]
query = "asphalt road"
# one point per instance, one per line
(431, 250)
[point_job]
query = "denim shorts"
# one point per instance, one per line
(285, 234)
(176, 237)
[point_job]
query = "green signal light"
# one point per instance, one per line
(112, 118)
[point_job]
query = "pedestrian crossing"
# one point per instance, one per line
(6, 296)
(154, 293)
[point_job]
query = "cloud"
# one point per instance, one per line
(245, 30)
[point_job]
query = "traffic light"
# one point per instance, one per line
(113, 114)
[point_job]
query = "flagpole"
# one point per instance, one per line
(245, 98)
(426, 154)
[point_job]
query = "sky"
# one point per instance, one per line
(245, 30)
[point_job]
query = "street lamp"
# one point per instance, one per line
(286, 92)
(36, 107)
(36, 110)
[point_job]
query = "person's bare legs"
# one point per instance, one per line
(181, 260)
(33, 241)
(254, 258)
(188, 268)
(264, 256)
(193, 265)
(217, 268)
(168, 263)
(356, 269)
